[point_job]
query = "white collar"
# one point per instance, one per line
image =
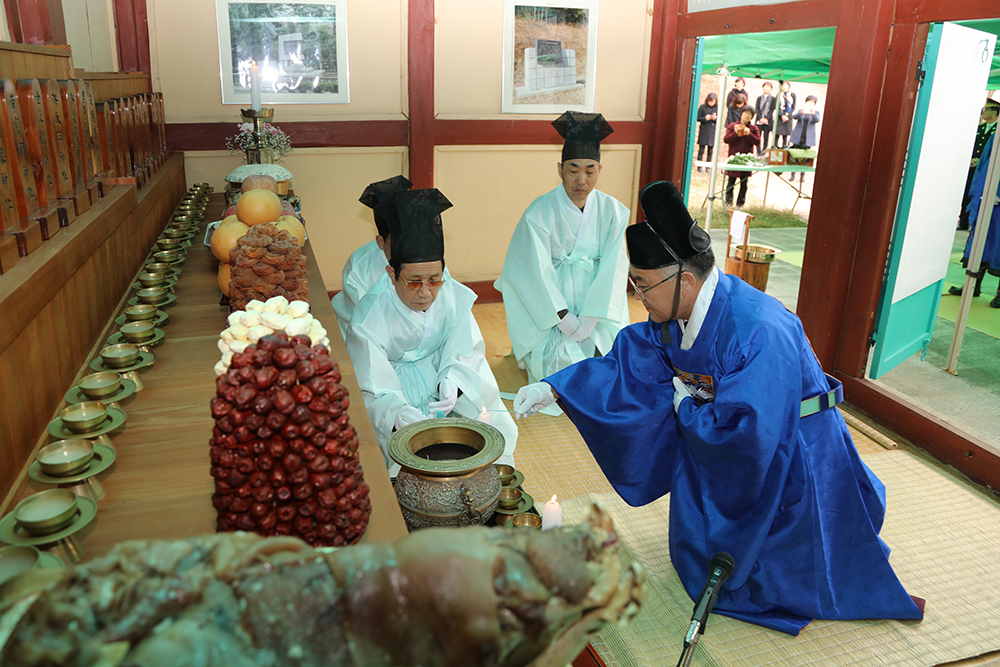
(699, 311)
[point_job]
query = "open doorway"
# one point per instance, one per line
(776, 82)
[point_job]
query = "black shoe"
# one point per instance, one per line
(963, 228)
(995, 303)
(957, 291)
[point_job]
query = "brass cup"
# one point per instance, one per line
(152, 295)
(140, 312)
(174, 233)
(527, 520)
(84, 417)
(171, 256)
(505, 473)
(138, 332)
(168, 244)
(65, 457)
(98, 385)
(152, 266)
(46, 511)
(509, 498)
(120, 356)
(17, 559)
(152, 279)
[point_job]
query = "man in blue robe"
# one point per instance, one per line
(719, 400)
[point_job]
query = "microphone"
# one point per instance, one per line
(718, 571)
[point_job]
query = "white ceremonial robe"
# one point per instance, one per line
(400, 356)
(563, 258)
(364, 268)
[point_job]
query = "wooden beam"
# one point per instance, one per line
(878, 214)
(851, 114)
(513, 132)
(420, 40)
(930, 11)
(949, 445)
(344, 133)
(761, 18)
(662, 98)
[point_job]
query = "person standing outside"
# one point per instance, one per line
(804, 134)
(563, 279)
(708, 114)
(987, 126)
(742, 137)
(740, 100)
(764, 107)
(786, 105)
(739, 88)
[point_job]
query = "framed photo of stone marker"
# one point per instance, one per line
(550, 51)
(299, 50)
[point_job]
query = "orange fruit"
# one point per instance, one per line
(225, 277)
(224, 238)
(257, 206)
(293, 226)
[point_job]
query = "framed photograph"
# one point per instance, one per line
(300, 49)
(550, 51)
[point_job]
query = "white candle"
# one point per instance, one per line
(254, 87)
(485, 417)
(551, 514)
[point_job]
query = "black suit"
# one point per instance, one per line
(983, 134)
(765, 109)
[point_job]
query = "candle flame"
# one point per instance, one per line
(553, 498)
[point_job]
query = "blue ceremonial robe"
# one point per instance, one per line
(788, 497)
(991, 248)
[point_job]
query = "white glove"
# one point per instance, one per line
(587, 325)
(569, 324)
(408, 415)
(532, 398)
(680, 392)
(448, 392)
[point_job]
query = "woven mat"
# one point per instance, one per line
(942, 531)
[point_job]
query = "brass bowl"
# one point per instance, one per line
(168, 244)
(527, 520)
(46, 511)
(120, 356)
(757, 253)
(509, 498)
(137, 332)
(152, 295)
(140, 312)
(65, 457)
(174, 233)
(84, 417)
(98, 385)
(152, 266)
(17, 559)
(504, 472)
(152, 279)
(171, 256)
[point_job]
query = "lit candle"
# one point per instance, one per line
(485, 416)
(551, 514)
(254, 87)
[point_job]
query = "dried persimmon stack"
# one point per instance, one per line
(267, 262)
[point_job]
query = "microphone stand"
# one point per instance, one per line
(719, 570)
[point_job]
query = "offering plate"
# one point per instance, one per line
(146, 359)
(145, 346)
(113, 420)
(169, 283)
(160, 319)
(517, 481)
(75, 395)
(62, 543)
(171, 297)
(84, 483)
(526, 503)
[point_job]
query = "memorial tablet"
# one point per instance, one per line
(107, 136)
(67, 124)
(89, 109)
(58, 149)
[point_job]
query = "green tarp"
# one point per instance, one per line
(797, 55)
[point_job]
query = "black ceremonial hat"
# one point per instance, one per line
(378, 191)
(414, 219)
(669, 234)
(582, 134)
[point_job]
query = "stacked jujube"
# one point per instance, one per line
(267, 262)
(284, 456)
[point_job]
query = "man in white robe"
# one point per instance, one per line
(416, 348)
(563, 279)
(367, 264)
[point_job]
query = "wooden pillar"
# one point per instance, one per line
(854, 93)
(132, 34)
(421, 91)
(36, 21)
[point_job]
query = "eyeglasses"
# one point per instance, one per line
(414, 285)
(992, 109)
(640, 292)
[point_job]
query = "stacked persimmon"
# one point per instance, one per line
(258, 204)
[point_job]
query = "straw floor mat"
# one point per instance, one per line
(942, 530)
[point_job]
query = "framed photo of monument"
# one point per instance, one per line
(550, 51)
(300, 49)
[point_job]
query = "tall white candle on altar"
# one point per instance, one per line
(254, 87)
(551, 514)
